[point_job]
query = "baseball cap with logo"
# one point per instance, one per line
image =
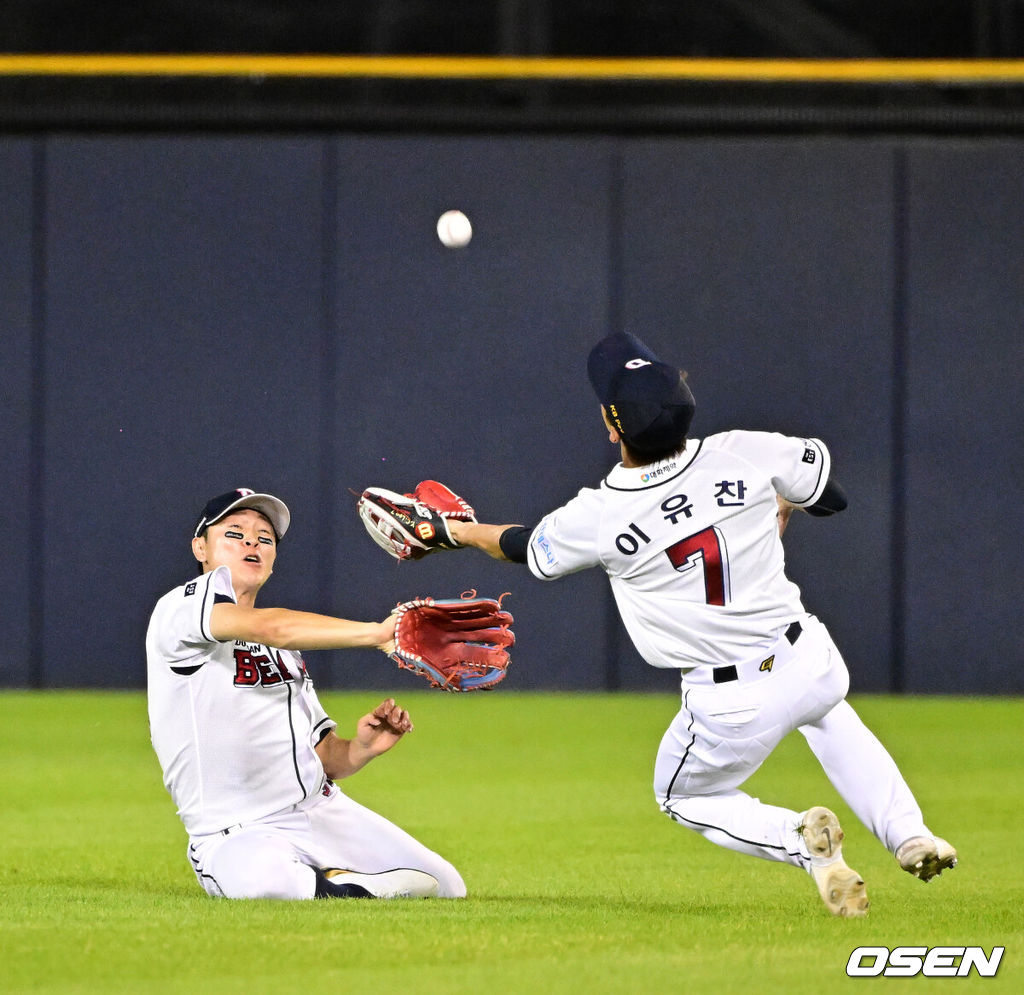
(647, 400)
(243, 497)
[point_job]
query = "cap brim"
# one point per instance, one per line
(274, 509)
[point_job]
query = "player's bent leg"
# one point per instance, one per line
(332, 882)
(738, 822)
(810, 840)
(256, 864)
(705, 755)
(869, 781)
(866, 776)
(349, 836)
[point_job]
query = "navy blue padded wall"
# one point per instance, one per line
(183, 339)
(277, 312)
(468, 366)
(963, 444)
(16, 409)
(764, 267)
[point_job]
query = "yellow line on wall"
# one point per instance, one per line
(500, 67)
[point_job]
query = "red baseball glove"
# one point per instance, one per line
(457, 644)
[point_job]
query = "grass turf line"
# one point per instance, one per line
(543, 802)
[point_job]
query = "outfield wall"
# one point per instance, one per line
(186, 314)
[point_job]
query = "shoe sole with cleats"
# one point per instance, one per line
(841, 888)
(925, 857)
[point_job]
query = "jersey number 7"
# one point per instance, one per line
(707, 548)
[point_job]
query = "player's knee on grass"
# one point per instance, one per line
(253, 868)
(449, 881)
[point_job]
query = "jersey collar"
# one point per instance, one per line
(642, 478)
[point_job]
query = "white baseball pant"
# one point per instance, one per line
(725, 731)
(275, 857)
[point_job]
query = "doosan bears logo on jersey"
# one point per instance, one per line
(259, 670)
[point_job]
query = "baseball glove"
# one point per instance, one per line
(409, 526)
(457, 644)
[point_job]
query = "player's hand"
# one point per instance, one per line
(378, 731)
(387, 629)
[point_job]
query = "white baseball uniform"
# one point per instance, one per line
(235, 726)
(692, 549)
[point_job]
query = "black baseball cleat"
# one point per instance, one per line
(926, 856)
(332, 882)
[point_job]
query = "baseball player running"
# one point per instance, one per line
(248, 753)
(689, 533)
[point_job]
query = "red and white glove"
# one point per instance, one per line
(409, 526)
(456, 644)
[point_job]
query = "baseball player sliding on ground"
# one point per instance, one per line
(248, 753)
(689, 533)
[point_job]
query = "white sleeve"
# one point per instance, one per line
(566, 540)
(180, 626)
(320, 723)
(798, 468)
(801, 471)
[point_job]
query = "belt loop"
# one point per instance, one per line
(793, 632)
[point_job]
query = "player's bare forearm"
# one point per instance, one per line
(376, 733)
(287, 629)
(341, 757)
(480, 536)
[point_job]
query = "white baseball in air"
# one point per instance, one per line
(454, 229)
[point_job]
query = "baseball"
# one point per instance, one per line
(454, 229)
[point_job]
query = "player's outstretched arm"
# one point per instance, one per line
(294, 630)
(488, 538)
(376, 733)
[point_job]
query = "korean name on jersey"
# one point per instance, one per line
(691, 544)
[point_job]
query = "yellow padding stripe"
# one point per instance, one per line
(474, 67)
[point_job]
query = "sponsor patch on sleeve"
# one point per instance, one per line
(543, 544)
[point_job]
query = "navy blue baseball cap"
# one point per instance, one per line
(243, 497)
(647, 400)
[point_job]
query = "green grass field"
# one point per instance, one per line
(577, 883)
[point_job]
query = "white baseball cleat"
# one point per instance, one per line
(841, 888)
(925, 856)
(401, 883)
